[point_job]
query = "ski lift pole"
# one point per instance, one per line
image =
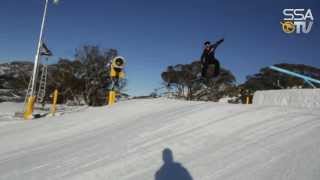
(307, 79)
(31, 99)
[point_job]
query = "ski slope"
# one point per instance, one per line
(213, 141)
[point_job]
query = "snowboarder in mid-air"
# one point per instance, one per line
(210, 65)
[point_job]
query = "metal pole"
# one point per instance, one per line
(306, 78)
(36, 59)
(312, 85)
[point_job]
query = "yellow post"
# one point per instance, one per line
(248, 100)
(112, 98)
(54, 102)
(29, 108)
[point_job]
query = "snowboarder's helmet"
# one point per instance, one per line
(207, 43)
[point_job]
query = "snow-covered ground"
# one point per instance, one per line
(125, 142)
(7, 112)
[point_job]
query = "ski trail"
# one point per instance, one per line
(213, 141)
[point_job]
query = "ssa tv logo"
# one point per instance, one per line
(297, 20)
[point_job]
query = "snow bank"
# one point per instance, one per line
(304, 98)
(10, 107)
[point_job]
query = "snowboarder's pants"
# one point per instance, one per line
(205, 67)
(204, 70)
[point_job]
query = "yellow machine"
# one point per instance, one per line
(116, 73)
(117, 67)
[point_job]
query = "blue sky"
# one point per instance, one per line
(155, 34)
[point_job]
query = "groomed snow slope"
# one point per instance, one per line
(212, 141)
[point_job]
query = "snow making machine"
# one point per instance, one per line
(116, 73)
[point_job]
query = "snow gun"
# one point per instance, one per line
(116, 73)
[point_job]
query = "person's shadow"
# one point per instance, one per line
(171, 170)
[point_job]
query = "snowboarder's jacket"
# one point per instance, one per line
(208, 55)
